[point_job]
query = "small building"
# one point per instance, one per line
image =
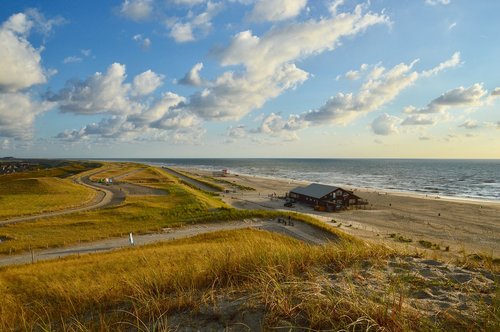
(223, 172)
(325, 197)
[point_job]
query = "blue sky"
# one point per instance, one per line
(250, 78)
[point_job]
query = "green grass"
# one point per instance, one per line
(37, 195)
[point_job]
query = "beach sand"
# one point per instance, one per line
(464, 226)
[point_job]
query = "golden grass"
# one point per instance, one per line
(156, 279)
(37, 195)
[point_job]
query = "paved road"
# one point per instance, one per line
(299, 230)
(195, 183)
(105, 196)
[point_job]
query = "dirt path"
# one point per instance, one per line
(299, 230)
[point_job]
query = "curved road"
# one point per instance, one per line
(106, 196)
(300, 230)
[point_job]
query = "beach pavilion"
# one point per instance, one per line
(324, 197)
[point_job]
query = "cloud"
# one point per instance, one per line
(182, 32)
(454, 61)
(274, 124)
(17, 114)
(352, 75)
(276, 10)
(470, 124)
(437, 2)
(458, 97)
(106, 92)
(237, 132)
(72, 59)
(144, 43)
(137, 10)
(20, 70)
(146, 83)
(374, 93)
(268, 63)
(495, 92)
(188, 3)
(86, 52)
(193, 76)
(418, 120)
(193, 26)
(163, 120)
(385, 125)
(98, 94)
(20, 67)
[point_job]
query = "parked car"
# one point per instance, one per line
(289, 204)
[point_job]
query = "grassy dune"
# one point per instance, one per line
(139, 214)
(105, 291)
(68, 169)
(26, 196)
(201, 280)
(111, 170)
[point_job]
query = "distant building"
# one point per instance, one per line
(224, 172)
(324, 197)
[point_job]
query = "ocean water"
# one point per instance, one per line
(474, 179)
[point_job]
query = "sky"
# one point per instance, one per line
(250, 79)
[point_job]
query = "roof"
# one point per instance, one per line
(314, 190)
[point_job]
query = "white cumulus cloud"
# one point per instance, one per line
(146, 83)
(20, 65)
(137, 10)
(276, 10)
(385, 124)
(268, 62)
(437, 2)
(457, 98)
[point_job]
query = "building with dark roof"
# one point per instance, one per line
(324, 197)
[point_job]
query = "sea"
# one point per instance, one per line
(470, 179)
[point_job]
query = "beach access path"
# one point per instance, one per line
(298, 230)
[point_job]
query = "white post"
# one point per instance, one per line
(131, 239)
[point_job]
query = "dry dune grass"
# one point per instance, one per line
(99, 291)
(245, 280)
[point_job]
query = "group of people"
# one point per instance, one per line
(286, 221)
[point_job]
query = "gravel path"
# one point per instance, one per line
(299, 230)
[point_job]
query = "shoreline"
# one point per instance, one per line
(405, 220)
(349, 187)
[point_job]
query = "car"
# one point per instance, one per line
(289, 204)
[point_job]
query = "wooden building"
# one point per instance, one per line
(324, 197)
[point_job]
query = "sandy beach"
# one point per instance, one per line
(398, 219)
